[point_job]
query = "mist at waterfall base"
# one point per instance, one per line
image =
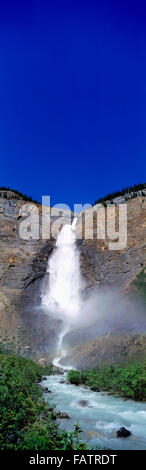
(85, 314)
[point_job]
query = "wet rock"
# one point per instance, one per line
(50, 409)
(62, 381)
(83, 403)
(44, 377)
(43, 361)
(62, 415)
(46, 390)
(122, 432)
(58, 371)
(95, 389)
(94, 434)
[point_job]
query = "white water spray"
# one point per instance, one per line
(63, 291)
(62, 294)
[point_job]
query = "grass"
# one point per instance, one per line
(126, 381)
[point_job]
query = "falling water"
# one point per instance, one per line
(62, 294)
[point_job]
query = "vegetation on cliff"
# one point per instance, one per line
(127, 381)
(119, 193)
(140, 284)
(26, 421)
(17, 195)
(129, 189)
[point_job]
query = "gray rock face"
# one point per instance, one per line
(101, 266)
(23, 271)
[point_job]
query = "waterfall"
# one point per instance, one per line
(62, 293)
(63, 290)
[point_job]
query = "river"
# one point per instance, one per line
(99, 415)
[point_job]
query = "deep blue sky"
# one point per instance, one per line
(72, 97)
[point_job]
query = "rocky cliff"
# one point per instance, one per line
(23, 266)
(101, 266)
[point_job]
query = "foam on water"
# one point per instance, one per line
(101, 416)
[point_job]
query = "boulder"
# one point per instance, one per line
(46, 390)
(95, 388)
(83, 403)
(62, 415)
(58, 371)
(122, 432)
(43, 361)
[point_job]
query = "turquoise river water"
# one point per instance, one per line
(99, 415)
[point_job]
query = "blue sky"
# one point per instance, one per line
(72, 97)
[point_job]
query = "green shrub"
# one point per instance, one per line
(74, 377)
(25, 419)
(126, 381)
